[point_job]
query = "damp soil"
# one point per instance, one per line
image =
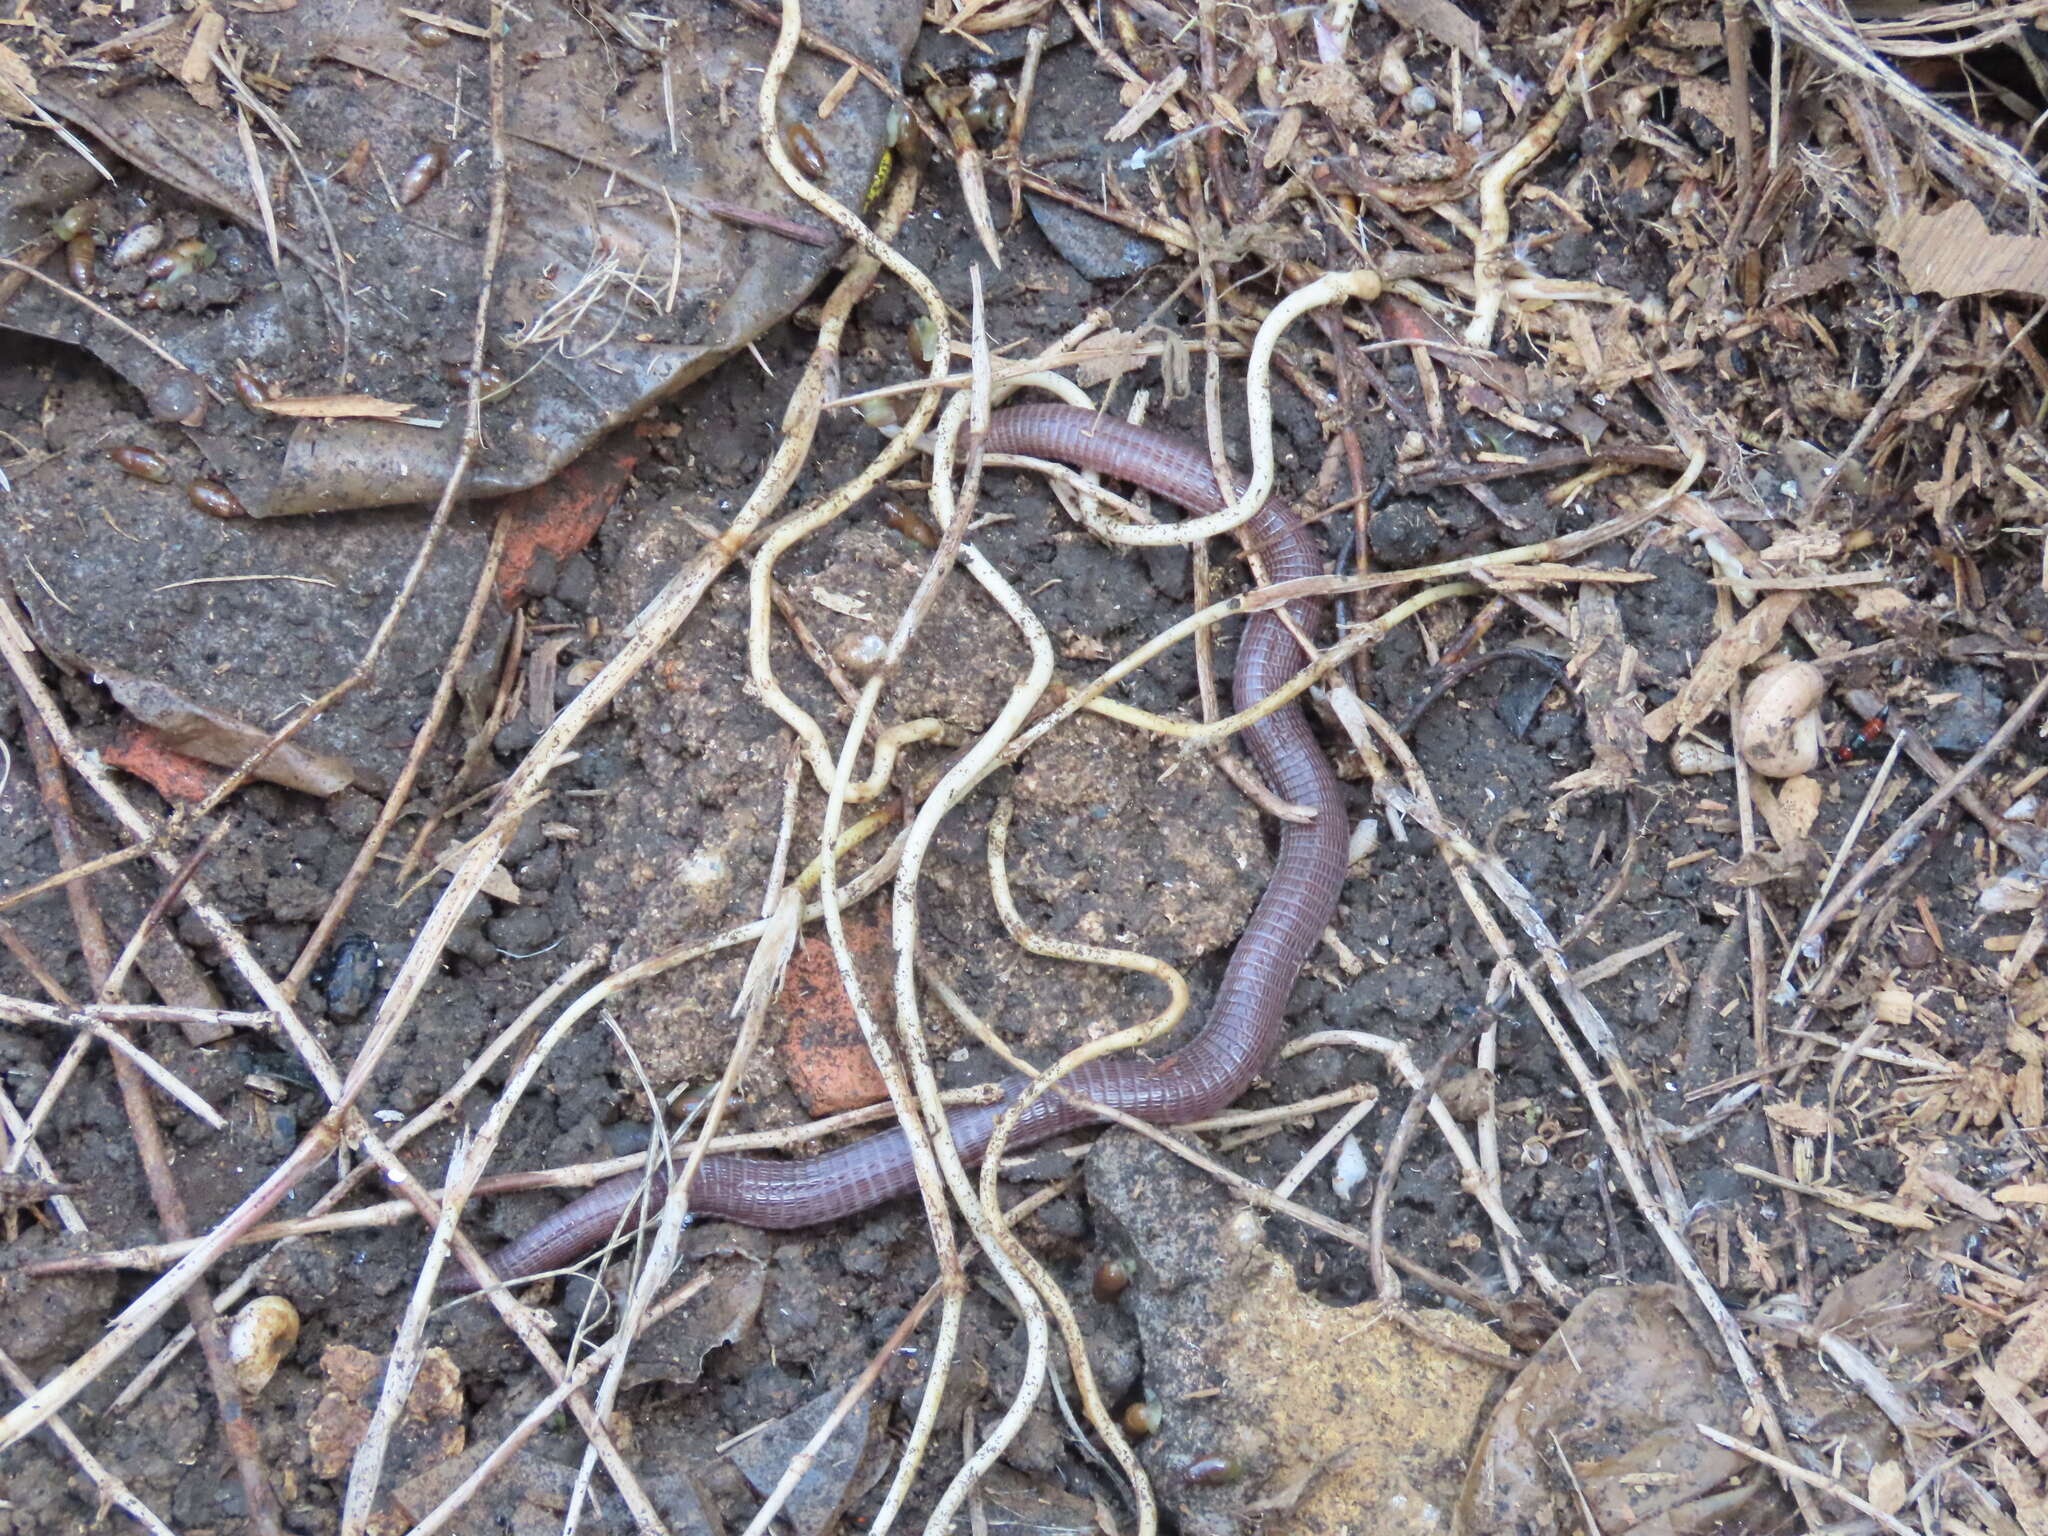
(664, 829)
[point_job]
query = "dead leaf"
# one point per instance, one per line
(1714, 674)
(1800, 1119)
(1109, 356)
(213, 737)
(1952, 252)
(1442, 21)
(1709, 98)
(17, 83)
(497, 884)
(336, 407)
(1615, 1394)
(1887, 1489)
(1789, 812)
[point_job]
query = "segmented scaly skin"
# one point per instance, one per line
(1248, 1016)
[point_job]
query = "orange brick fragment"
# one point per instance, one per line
(140, 750)
(564, 514)
(823, 1054)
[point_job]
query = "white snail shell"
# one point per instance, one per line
(259, 1338)
(1779, 732)
(1691, 755)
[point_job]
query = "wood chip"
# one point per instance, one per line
(1149, 101)
(1889, 1212)
(1741, 643)
(2002, 1397)
(336, 407)
(1952, 252)
(2024, 1356)
(17, 83)
(1958, 1194)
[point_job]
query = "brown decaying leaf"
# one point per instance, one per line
(17, 82)
(336, 407)
(214, 737)
(1952, 252)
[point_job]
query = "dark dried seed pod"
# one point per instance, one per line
(75, 220)
(215, 500)
(136, 242)
(421, 175)
(179, 396)
(1212, 1472)
(430, 34)
(352, 977)
(1111, 1277)
(143, 463)
(79, 257)
(803, 149)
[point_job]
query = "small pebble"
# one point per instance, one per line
(1394, 77)
(1470, 122)
(1420, 102)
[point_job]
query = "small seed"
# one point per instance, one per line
(1395, 79)
(430, 34)
(79, 256)
(1212, 1472)
(911, 525)
(250, 389)
(215, 499)
(1112, 1276)
(136, 242)
(1143, 1418)
(143, 463)
(421, 175)
(75, 220)
(804, 150)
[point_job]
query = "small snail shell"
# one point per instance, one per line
(259, 1338)
(1690, 755)
(1779, 732)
